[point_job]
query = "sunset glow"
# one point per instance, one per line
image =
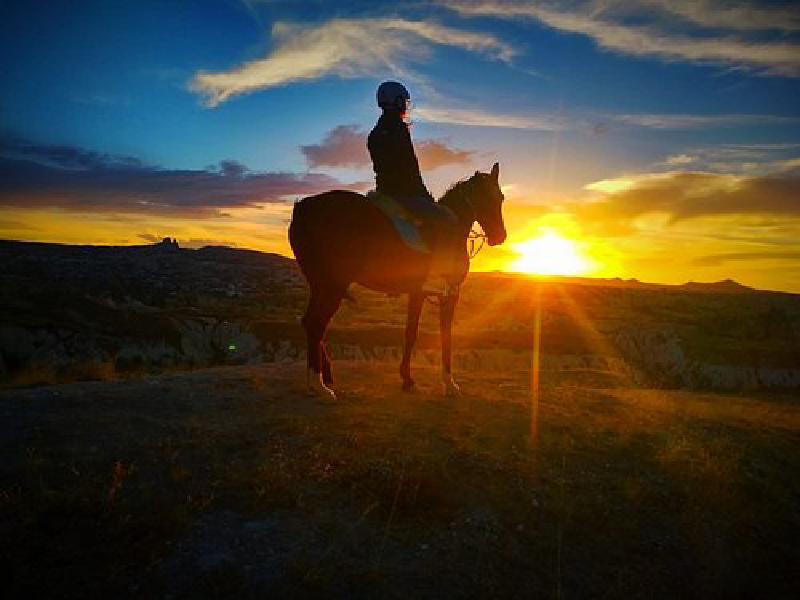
(549, 254)
(650, 141)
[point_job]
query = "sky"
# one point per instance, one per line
(659, 138)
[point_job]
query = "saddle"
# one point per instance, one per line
(408, 227)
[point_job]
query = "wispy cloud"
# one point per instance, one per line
(345, 146)
(739, 159)
(345, 48)
(680, 159)
(607, 23)
(715, 260)
(482, 118)
(689, 121)
(33, 175)
(724, 14)
(63, 156)
(575, 121)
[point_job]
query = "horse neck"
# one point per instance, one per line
(457, 199)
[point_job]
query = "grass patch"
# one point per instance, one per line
(231, 482)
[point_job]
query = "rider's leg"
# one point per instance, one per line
(435, 222)
(444, 257)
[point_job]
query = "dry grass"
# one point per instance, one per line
(37, 374)
(232, 482)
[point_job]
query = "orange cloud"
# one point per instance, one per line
(684, 195)
(345, 146)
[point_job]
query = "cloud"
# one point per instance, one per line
(598, 123)
(680, 159)
(346, 146)
(63, 156)
(715, 260)
(435, 153)
(723, 14)
(610, 25)
(744, 159)
(684, 195)
(10, 224)
(482, 118)
(343, 146)
(689, 121)
(77, 179)
(345, 48)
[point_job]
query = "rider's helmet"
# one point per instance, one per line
(392, 94)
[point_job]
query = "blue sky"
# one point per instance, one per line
(565, 95)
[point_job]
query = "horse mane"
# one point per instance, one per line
(456, 191)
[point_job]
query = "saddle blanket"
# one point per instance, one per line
(406, 225)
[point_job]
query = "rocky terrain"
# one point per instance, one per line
(91, 312)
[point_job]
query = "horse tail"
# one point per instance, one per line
(304, 238)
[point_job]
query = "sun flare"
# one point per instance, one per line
(549, 254)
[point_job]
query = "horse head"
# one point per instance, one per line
(487, 200)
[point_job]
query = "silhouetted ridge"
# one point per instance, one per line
(726, 285)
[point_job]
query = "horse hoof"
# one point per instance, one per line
(318, 388)
(323, 392)
(451, 388)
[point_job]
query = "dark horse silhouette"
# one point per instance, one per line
(340, 237)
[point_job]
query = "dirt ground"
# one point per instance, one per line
(233, 482)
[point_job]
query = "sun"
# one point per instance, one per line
(549, 254)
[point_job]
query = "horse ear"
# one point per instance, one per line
(496, 170)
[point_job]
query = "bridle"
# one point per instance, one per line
(472, 239)
(474, 235)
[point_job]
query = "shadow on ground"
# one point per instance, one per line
(232, 482)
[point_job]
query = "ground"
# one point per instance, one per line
(233, 482)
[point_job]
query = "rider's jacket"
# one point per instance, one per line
(396, 167)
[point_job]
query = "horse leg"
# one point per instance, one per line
(327, 372)
(447, 310)
(415, 301)
(322, 305)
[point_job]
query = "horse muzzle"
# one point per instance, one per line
(496, 238)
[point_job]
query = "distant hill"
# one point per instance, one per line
(89, 312)
(728, 286)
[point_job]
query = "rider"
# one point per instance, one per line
(397, 175)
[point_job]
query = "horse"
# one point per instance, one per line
(340, 237)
